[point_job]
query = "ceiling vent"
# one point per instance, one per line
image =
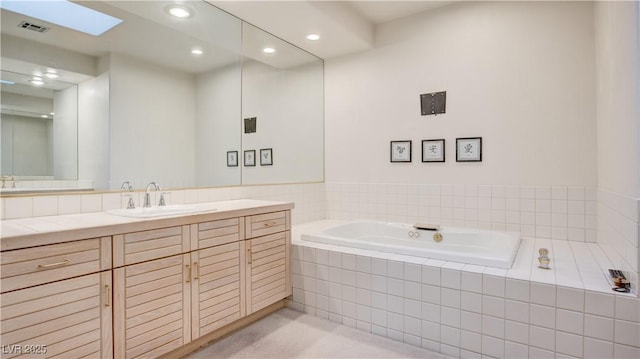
(33, 27)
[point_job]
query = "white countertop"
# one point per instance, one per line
(27, 232)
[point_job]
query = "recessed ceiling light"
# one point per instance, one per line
(65, 13)
(179, 11)
(268, 50)
(313, 37)
(51, 75)
(196, 51)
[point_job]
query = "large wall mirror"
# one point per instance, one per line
(155, 98)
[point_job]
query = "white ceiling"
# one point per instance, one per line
(344, 26)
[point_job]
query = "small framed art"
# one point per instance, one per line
(469, 149)
(232, 158)
(400, 151)
(249, 158)
(433, 150)
(266, 157)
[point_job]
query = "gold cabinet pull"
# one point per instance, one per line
(197, 270)
(188, 268)
(107, 291)
(270, 224)
(250, 255)
(53, 265)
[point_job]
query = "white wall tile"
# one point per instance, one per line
(542, 338)
(516, 310)
(515, 350)
(492, 347)
(623, 351)
(471, 341)
(45, 206)
(18, 207)
(570, 298)
(599, 304)
(627, 308)
(471, 302)
(569, 321)
(493, 306)
(517, 289)
(431, 312)
(471, 282)
(450, 297)
(543, 294)
(597, 349)
(569, 344)
(516, 332)
(493, 326)
(542, 316)
(471, 321)
(492, 285)
(627, 333)
(598, 327)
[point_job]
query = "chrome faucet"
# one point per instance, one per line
(147, 198)
(10, 178)
(126, 185)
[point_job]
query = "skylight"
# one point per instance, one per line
(64, 13)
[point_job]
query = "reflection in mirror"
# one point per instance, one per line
(282, 87)
(39, 125)
(161, 98)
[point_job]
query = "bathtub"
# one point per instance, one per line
(470, 246)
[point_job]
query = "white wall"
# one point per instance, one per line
(26, 146)
(518, 74)
(65, 134)
(618, 117)
(288, 107)
(93, 131)
(218, 125)
(152, 125)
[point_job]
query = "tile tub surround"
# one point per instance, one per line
(556, 212)
(472, 311)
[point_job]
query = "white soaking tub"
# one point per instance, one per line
(470, 246)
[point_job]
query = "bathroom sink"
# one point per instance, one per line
(159, 211)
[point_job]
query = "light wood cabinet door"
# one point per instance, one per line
(152, 307)
(217, 290)
(66, 319)
(268, 273)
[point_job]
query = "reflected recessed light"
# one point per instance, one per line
(44, 116)
(268, 50)
(51, 113)
(197, 51)
(179, 11)
(7, 82)
(36, 81)
(52, 75)
(313, 37)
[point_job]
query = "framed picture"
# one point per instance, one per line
(400, 151)
(249, 158)
(469, 149)
(232, 158)
(266, 157)
(433, 150)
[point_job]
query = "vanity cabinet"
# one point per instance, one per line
(217, 288)
(268, 275)
(157, 291)
(57, 300)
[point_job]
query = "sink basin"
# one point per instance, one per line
(160, 211)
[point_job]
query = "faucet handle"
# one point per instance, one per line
(162, 201)
(130, 203)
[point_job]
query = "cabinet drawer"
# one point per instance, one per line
(268, 223)
(220, 232)
(27, 267)
(144, 246)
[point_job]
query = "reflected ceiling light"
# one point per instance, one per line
(313, 37)
(197, 51)
(268, 50)
(44, 116)
(178, 11)
(51, 75)
(36, 81)
(65, 13)
(51, 113)
(7, 82)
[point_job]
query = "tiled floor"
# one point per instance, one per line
(291, 334)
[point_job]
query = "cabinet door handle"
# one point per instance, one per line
(270, 224)
(53, 265)
(107, 291)
(197, 270)
(188, 268)
(250, 255)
